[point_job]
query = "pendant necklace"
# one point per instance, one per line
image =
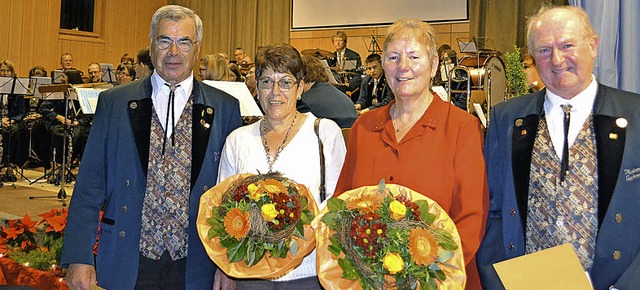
(263, 136)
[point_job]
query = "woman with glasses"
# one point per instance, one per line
(284, 141)
(125, 74)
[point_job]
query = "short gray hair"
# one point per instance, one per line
(175, 13)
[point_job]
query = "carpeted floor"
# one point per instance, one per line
(15, 197)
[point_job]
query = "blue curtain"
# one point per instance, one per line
(616, 22)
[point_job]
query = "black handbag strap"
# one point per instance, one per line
(323, 190)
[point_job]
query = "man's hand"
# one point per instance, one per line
(222, 282)
(80, 276)
(5, 122)
(358, 107)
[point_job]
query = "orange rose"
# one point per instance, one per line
(236, 223)
(422, 246)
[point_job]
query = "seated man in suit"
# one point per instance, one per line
(374, 92)
(71, 74)
(321, 98)
(563, 163)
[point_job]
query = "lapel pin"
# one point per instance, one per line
(621, 122)
(209, 111)
(205, 124)
(133, 105)
(613, 136)
(519, 123)
(523, 132)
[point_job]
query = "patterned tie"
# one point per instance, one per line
(170, 112)
(564, 164)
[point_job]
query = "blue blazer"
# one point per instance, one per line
(113, 177)
(508, 154)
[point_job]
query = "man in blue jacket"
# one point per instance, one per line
(152, 152)
(563, 164)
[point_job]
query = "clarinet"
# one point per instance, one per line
(69, 148)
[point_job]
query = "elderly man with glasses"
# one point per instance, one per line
(153, 151)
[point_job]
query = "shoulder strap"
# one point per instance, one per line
(323, 191)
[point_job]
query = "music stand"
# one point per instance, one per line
(64, 88)
(11, 86)
(108, 74)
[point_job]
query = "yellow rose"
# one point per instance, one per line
(393, 263)
(254, 191)
(397, 210)
(269, 212)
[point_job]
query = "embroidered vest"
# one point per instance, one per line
(563, 212)
(165, 211)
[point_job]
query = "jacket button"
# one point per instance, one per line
(126, 183)
(513, 212)
(618, 218)
(616, 255)
(124, 208)
(511, 246)
(205, 188)
(390, 178)
(122, 234)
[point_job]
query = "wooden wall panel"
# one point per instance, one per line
(30, 33)
(359, 39)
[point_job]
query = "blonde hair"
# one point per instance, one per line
(416, 29)
(216, 65)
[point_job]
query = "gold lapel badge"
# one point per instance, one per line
(519, 123)
(613, 136)
(133, 105)
(209, 111)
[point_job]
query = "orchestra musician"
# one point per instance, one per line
(14, 134)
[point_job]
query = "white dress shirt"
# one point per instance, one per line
(582, 106)
(160, 98)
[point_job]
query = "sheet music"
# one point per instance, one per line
(441, 92)
(328, 72)
(239, 90)
(480, 114)
(57, 76)
(16, 86)
(467, 47)
(36, 82)
(350, 64)
(88, 99)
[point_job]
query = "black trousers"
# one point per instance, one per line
(161, 274)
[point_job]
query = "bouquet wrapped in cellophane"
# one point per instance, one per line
(387, 237)
(257, 226)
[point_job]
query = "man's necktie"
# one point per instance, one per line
(564, 165)
(170, 112)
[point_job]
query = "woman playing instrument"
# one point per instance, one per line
(284, 141)
(420, 141)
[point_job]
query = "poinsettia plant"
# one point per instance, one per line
(21, 240)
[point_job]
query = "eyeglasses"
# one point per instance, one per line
(184, 44)
(268, 84)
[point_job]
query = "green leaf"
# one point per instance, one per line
(336, 204)
(425, 215)
(304, 202)
(237, 251)
(348, 269)
(430, 285)
(329, 218)
(444, 256)
(299, 230)
(306, 216)
(293, 247)
(445, 240)
(381, 186)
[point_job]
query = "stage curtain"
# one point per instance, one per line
(503, 21)
(616, 22)
(241, 23)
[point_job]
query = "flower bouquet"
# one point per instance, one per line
(387, 237)
(257, 226)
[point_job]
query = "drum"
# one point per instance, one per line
(487, 74)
